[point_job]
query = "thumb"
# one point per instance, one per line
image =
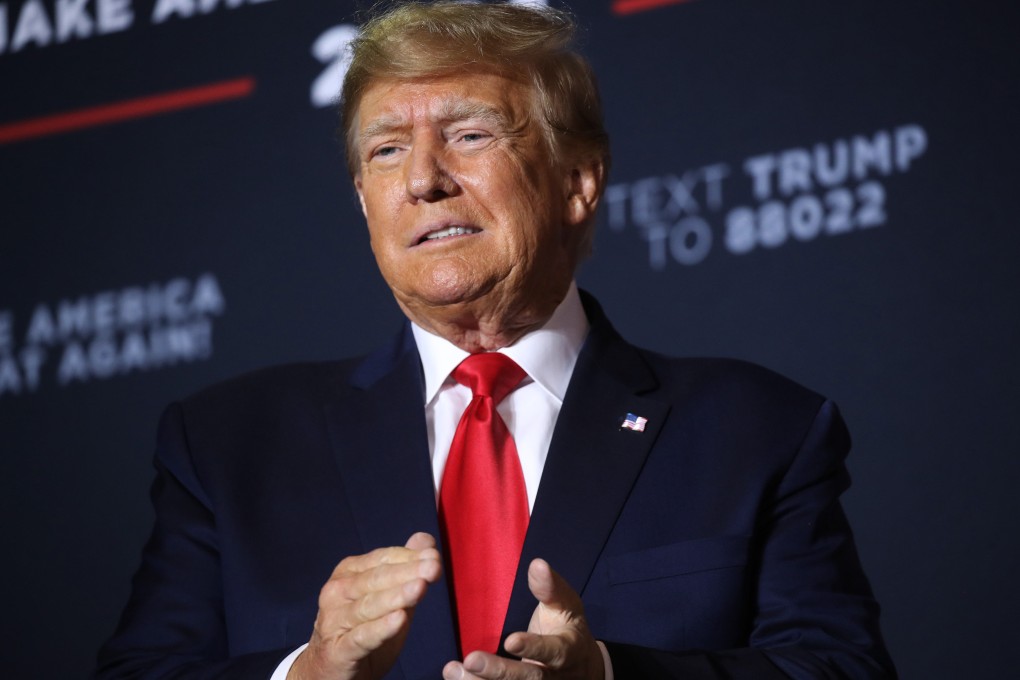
(551, 589)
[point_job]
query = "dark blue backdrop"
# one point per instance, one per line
(824, 188)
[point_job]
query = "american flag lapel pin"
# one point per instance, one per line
(633, 422)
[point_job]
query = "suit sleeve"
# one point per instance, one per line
(814, 613)
(173, 625)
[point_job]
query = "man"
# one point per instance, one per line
(632, 515)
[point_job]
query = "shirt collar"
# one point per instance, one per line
(547, 354)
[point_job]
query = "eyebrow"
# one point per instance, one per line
(380, 126)
(458, 109)
(452, 110)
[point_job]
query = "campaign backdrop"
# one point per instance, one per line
(826, 188)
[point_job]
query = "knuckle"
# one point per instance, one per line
(379, 555)
(330, 594)
(362, 609)
(360, 639)
(389, 555)
(375, 579)
(347, 565)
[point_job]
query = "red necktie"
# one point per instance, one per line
(483, 505)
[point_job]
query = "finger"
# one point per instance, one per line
(366, 638)
(482, 666)
(356, 564)
(346, 586)
(571, 651)
(550, 589)
(454, 670)
(549, 650)
(340, 614)
(383, 556)
(420, 541)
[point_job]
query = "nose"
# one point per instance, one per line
(427, 177)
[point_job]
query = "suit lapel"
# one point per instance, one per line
(380, 442)
(378, 435)
(592, 462)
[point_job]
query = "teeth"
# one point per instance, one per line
(451, 231)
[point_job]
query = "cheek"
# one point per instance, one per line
(538, 212)
(526, 193)
(382, 214)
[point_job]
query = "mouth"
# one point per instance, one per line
(451, 231)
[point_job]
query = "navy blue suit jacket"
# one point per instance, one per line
(711, 545)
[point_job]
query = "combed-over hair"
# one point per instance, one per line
(418, 40)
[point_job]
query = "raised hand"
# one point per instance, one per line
(557, 644)
(365, 611)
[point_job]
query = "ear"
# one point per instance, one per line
(361, 195)
(584, 187)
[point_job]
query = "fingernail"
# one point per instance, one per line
(453, 672)
(474, 663)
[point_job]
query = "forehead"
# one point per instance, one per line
(444, 98)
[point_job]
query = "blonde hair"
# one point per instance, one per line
(417, 39)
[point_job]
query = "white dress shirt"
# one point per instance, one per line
(547, 355)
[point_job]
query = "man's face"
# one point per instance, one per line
(470, 219)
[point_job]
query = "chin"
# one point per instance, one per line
(452, 284)
(433, 297)
(454, 296)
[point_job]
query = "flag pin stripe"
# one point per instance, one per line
(634, 422)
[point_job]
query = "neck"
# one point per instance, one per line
(482, 330)
(474, 335)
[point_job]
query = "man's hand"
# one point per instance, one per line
(365, 611)
(558, 643)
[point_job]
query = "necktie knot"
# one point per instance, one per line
(490, 374)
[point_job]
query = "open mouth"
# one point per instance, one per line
(447, 233)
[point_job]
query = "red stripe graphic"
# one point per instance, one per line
(127, 109)
(633, 6)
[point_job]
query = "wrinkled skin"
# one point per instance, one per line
(469, 151)
(464, 153)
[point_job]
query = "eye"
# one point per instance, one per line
(384, 151)
(473, 137)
